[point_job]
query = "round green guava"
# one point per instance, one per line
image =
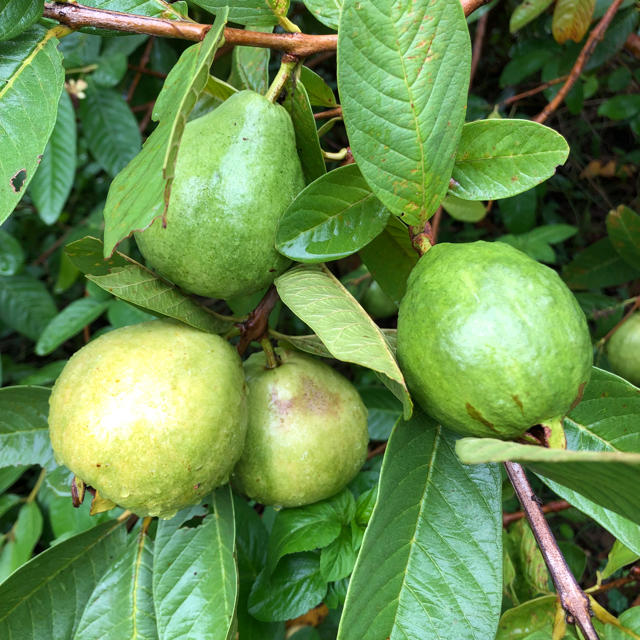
(307, 436)
(237, 171)
(490, 341)
(623, 350)
(153, 416)
(377, 303)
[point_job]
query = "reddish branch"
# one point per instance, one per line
(573, 599)
(256, 325)
(532, 92)
(77, 16)
(330, 113)
(551, 507)
(478, 41)
(592, 41)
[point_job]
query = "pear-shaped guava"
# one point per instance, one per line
(307, 436)
(490, 341)
(237, 171)
(153, 416)
(623, 350)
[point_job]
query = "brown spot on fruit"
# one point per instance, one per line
(476, 415)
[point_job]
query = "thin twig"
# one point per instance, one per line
(78, 16)
(435, 224)
(532, 92)
(256, 325)
(478, 41)
(143, 63)
(636, 305)
(147, 72)
(552, 507)
(592, 41)
(330, 113)
(381, 448)
(573, 599)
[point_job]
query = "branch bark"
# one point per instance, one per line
(77, 16)
(573, 599)
(256, 325)
(592, 41)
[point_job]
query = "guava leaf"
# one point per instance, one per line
(50, 591)
(53, 180)
(623, 226)
(443, 522)
(501, 158)
(571, 19)
(152, 8)
(250, 67)
(331, 218)
(384, 411)
(464, 210)
(30, 87)
(326, 11)
(403, 77)
(24, 428)
(338, 558)
(525, 12)
(345, 328)
(598, 266)
(25, 534)
(524, 620)
(138, 194)
(11, 254)
(18, 15)
(128, 280)
(319, 92)
(25, 304)
(619, 556)
(390, 257)
(247, 12)
(201, 559)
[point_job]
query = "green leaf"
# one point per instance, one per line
(401, 66)
(250, 67)
(25, 304)
(121, 605)
(201, 560)
(501, 158)
(519, 212)
(308, 528)
(53, 181)
(248, 12)
(109, 127)
(307, 142)
(598, 266)
(537, 242)
(18, 15)
(345, 328)
(24, 430)
(319, 92)
(338, 559)
(9, 475)
(464, 210)
(525, 12)
(519, 623)
(22, 539)
(384, 411)
(111, 69)
(619, 556)
(123, 314)
(45, 375)
(623, 227)
(623, 107)
(136, 196)
(294, 587)
(571, 19)
(11, 255)
(331, 218)
(326, 11)
(31, 78)
(50, 591)
(431, 561)
(390, 257)
(70, 321)
(126, 279)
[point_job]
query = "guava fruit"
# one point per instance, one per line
(490, 341)
(623, 350)
(307, 435)
(377, 303)
(237, 171)
(153, 415)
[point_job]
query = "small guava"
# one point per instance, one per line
(237, 171)
(623, 350)
(490, 341)
(153, 416)
(377, 303)
(307, 435)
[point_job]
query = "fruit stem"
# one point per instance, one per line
(273, 361)
(573, 599)
(338, 155)
(287, 67)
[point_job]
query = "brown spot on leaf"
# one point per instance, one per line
(18, 179)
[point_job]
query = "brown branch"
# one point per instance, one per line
(147, 72)
(381, 448)
(632, 44)
(329, 113)
(144, 60)
(77, 16)
(435, 224)
(478, 41)
(592, 41)
(256, 325)
(573, 599)
(532, 92)
(552, 507)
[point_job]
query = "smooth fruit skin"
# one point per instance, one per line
(377, 303)
(307, 435)
(490, 341)
(237, 171)
(152, 415)
(623, 350)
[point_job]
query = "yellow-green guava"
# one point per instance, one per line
(490, 341)
(237, 171)
(307, 436)
(623, 350)
(153, 416)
